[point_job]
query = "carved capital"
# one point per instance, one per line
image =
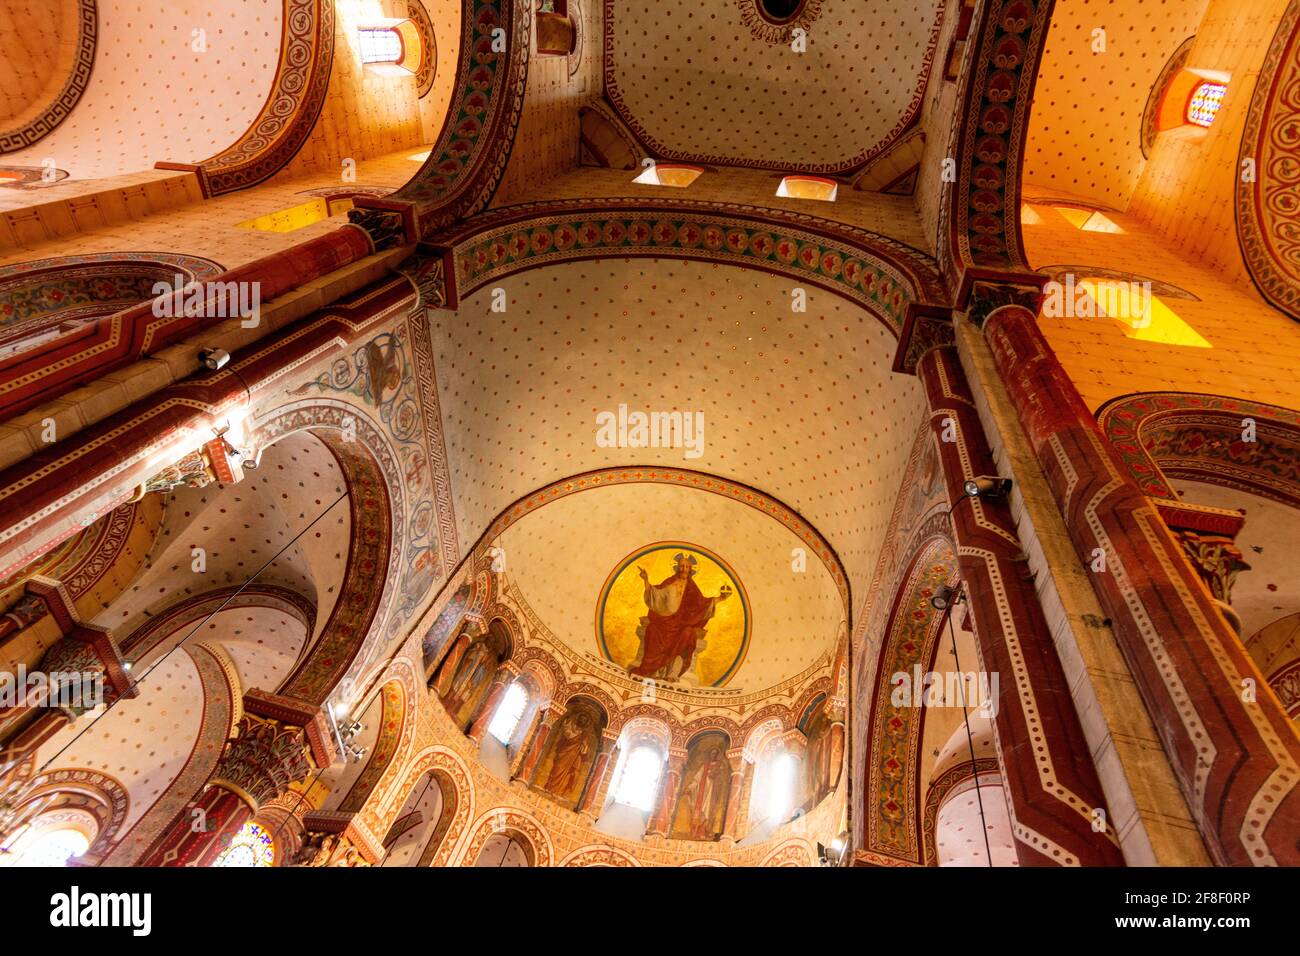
(987, 297)
(1216, 558)
(261, 762)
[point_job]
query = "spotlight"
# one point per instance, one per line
(945, 597)
(988, 486)
(213, 359)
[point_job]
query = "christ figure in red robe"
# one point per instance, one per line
(672, 633)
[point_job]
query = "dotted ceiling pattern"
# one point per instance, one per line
(799, 405)
(153, 97)
(560, 555)
(242, 527)
(695, 82)
(1085, 129)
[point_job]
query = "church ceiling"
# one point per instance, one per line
(719, 84)
(576, 561)
(801, 406)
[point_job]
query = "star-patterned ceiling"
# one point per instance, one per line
(712, 83)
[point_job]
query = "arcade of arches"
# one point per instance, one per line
(594, 433)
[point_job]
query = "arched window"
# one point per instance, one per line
(379, 45)
(783, 775)
(506, 719)
(1204, 103)
(391, 47)
(46, 848)
(808, 187)
(638, 784)
(252, 846)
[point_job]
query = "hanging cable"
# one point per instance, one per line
(194, 630)
(970, 740)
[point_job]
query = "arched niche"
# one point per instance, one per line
(569, 753)
(421, 825)
(465, 678)
(700, 812)
(54, 303)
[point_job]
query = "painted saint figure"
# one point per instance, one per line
(571, 758)
(702, 806)
(673, 631)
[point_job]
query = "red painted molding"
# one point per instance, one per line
(1237, 762)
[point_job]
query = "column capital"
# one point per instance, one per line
(293, 712)
(261, 762)
(986, 296)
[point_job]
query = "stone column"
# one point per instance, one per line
(661, 817)
(736, 758)
(554, 712)
(593, 801)
(276, 744)
(506, 673)
(1237, 762)
(1052, 786)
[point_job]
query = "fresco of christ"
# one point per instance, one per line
(673, 631)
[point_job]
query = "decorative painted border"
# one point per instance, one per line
(774, 31)
(375, 494)
(885, 277)
(60, 108)
(1158, 435)
(891, 795)
(853, 165)
(292, 108)
(429, 40)
(469, 159)
(1268, 207)
(697, 480)
(59, 289)
(979, 223)
(1148, 131)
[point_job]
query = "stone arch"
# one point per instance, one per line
(1199, 437)
(684, 736)
(354, 632)
(456, 782)
(98, 794)
(517, 823)
(465, 166)
(221, 711)
(888, 279)
(598, 855)
(50, 308)
(891, 792)
(1265, 214)
(393, 723)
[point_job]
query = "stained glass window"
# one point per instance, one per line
(252, 846)
(1205, 102)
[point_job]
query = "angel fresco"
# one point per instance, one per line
(706, 785)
